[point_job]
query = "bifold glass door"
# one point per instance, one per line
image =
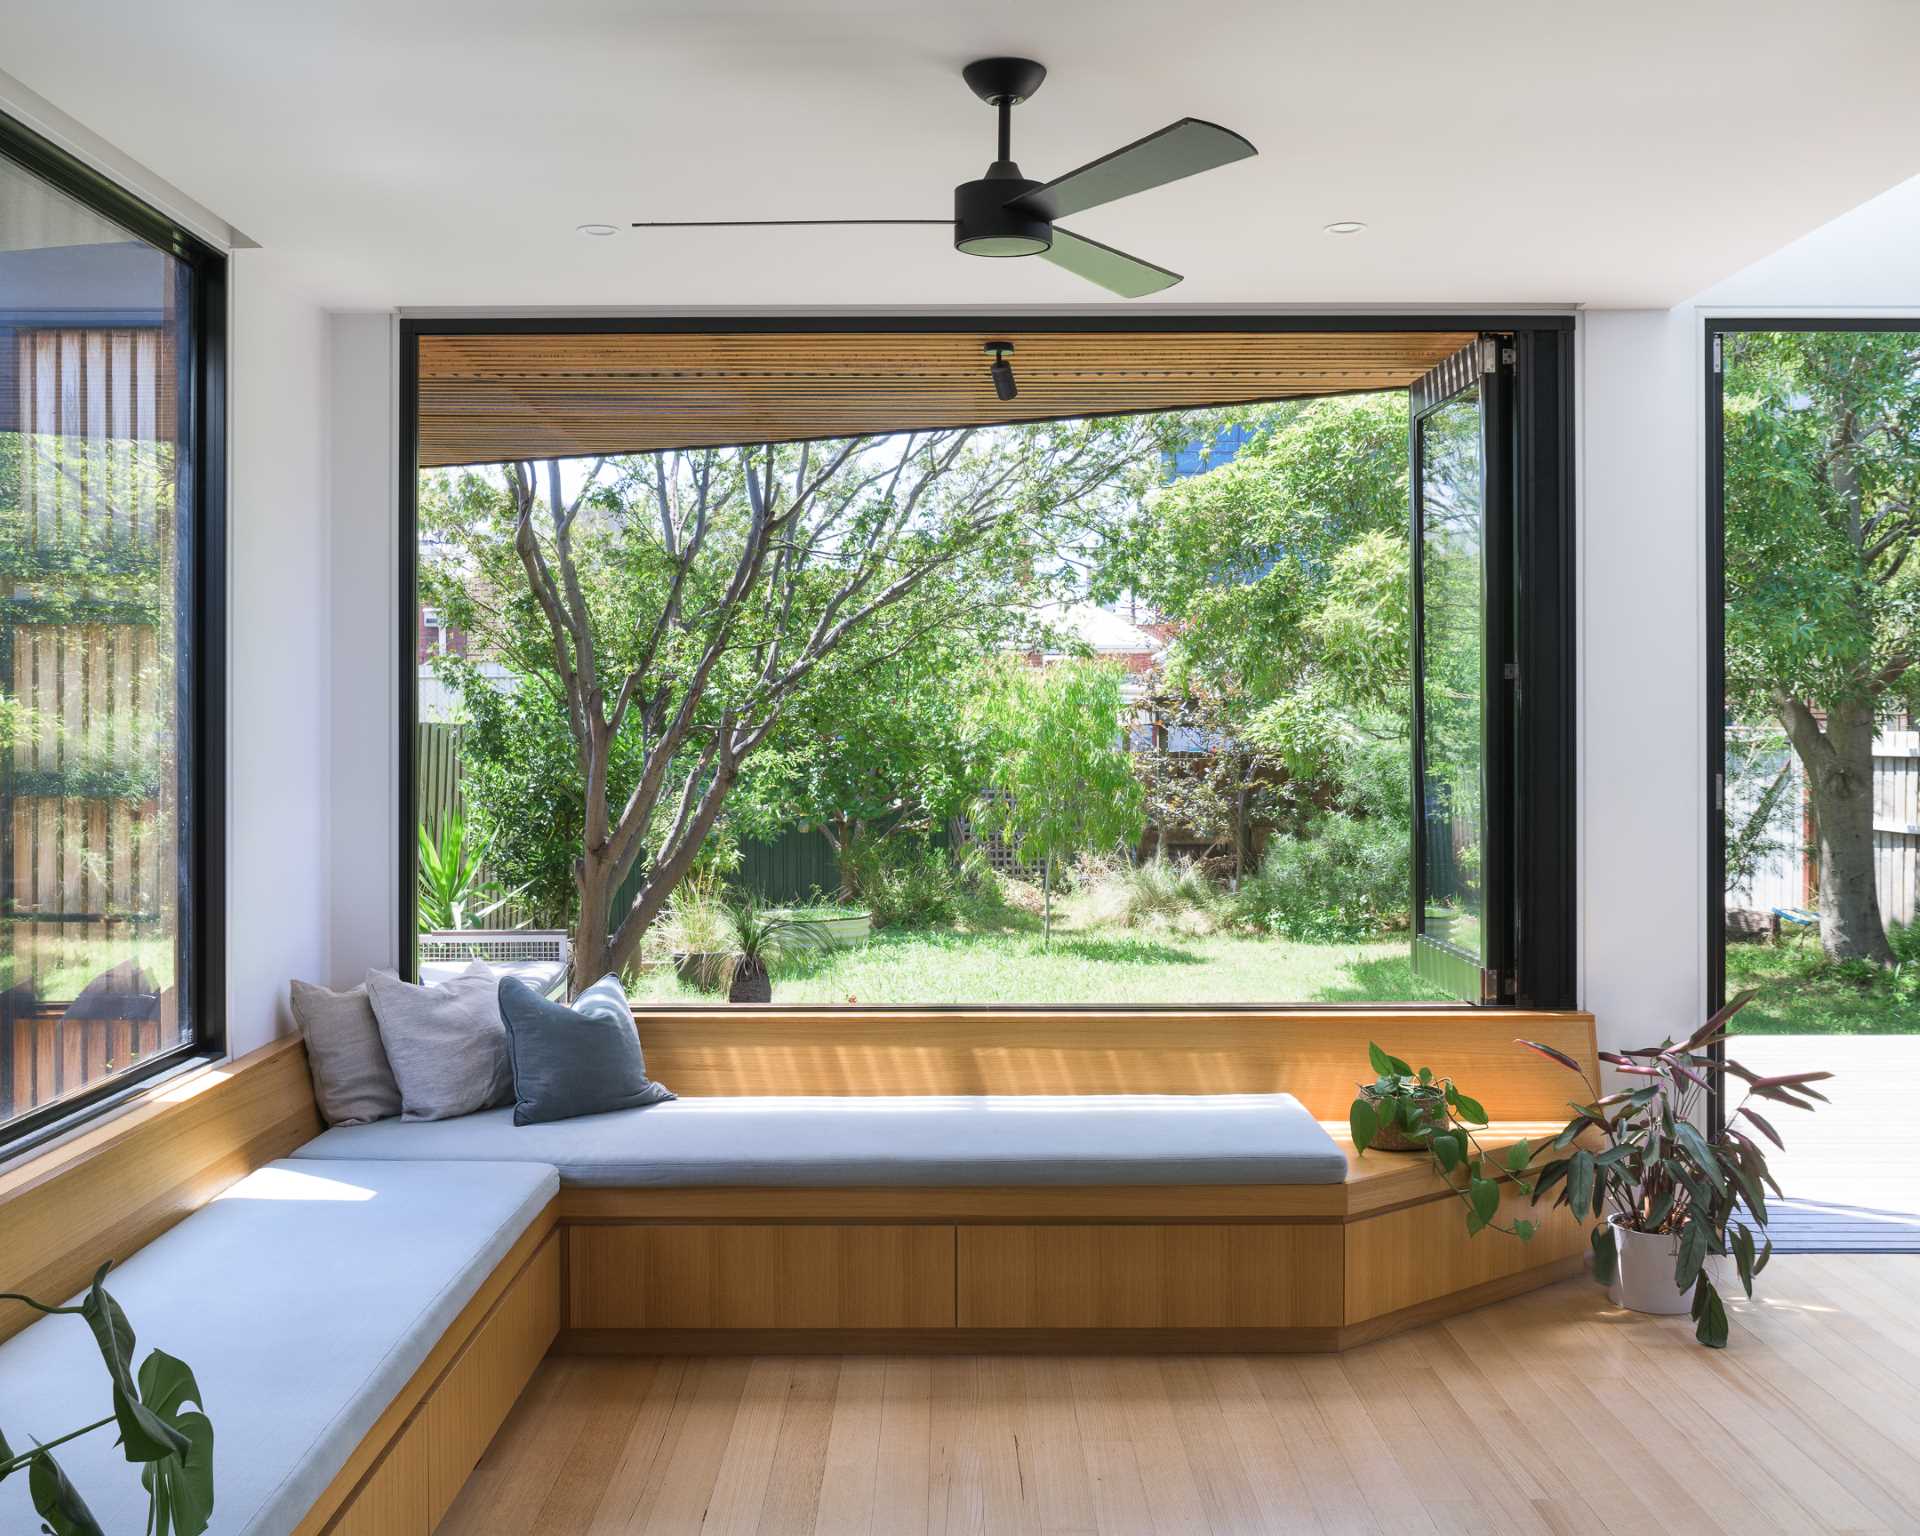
(1460, 624)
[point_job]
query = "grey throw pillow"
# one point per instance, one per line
(351, 1078)
(583, 1060)
(446, 1043)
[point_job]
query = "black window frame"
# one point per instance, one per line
(1540, 815)
(201, 629)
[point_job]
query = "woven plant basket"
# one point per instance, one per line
(1390, 1137)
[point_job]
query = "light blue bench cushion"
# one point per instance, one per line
(1263, 1138)
(303, 1299)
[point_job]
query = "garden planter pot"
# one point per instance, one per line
(1643, 1275)
(750, 984)
(841, 928)
(1389, 1137)
(709, 970)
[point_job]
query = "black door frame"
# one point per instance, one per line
(1543, 804)
(1713, 328)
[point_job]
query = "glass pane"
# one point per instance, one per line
(1143, 738)
(91, 332)
(1452, 658)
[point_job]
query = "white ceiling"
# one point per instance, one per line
(441, 152)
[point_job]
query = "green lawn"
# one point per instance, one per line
(1803, 993)
(1015, 965)
(58, 967)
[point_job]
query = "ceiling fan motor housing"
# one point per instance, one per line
(983, 224)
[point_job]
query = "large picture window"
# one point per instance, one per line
(108, 627)
(833, 649)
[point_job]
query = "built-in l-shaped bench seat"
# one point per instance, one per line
(304, 1298)
(362, 1311)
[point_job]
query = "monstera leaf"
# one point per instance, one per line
(143, 1433)
(181, 1482)
(57, 1501)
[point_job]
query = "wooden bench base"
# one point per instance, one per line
(405, 1473)
(1234, 1268)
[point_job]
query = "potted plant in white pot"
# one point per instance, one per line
(1673, 1202)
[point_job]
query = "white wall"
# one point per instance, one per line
(278, 805)
(1643, 887)
(1642, 675)
(364, 624)
(1863, 260)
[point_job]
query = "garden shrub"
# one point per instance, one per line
(1343, 879)
(1156, 892)
(904, 883)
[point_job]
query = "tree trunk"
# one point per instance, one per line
(1839, 765)
(592, 942)
(842, 845)
(1046, 893)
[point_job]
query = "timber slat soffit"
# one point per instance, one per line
(488, 398)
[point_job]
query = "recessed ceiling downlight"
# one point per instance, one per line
(598, 229)
(1345, 227)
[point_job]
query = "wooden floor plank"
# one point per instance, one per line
(849, 1477)
(902, 1484)
(631, 1477)
(677, 1493)
(1515, 1418)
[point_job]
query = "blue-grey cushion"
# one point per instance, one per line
(1258, 1138)
(303, 1299)
(578, 1060)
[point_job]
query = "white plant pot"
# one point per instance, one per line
(1643, 1272)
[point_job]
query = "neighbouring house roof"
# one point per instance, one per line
(1103, 631)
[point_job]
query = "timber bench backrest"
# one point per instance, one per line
(1316, 1055)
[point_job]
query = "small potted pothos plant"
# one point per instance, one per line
(1404, 1110)
(1673, 1202)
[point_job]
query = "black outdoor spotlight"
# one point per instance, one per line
(1002, 371)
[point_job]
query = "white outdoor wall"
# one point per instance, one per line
(278, 661)
(363, 707)
(1642, 675)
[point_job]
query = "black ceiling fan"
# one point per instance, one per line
(1006, 214)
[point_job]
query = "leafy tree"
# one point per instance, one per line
(680, 606)
(1244, 557)
(1823, 610)
(1060, 780)
(886, 758)
(1285, 572)
(1203, 774)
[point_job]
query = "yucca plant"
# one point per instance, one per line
(454, 890)
(761, 936)
(1656, 1173)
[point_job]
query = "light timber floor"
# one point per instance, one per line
(1550, 1413)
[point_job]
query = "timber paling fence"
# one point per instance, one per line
(88, 792)
(793, 867)
(1789, 878)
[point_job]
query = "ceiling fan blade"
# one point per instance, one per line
(770, 223)
(1116, 271)
(1180, 149)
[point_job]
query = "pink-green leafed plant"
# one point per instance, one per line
(1638, 1160)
